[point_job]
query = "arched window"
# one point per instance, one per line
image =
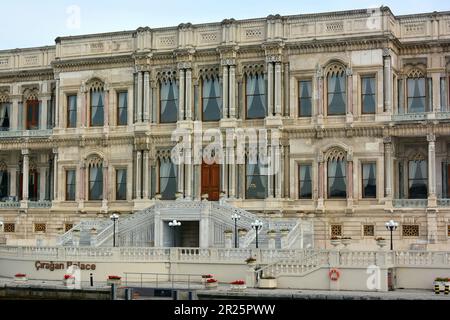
(336, 90)
(168, 103)
(417, 178)
(416, 92)
(211, 99)
(167, 179)
(95, 179)
(336, 174)
(5, 110)
(97, 107)
(256, 96)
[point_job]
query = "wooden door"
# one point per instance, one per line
(211, 181)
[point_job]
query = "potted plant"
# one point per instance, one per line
(205, 277)
(114, 280)
(267, 282)
(381, 242)
(284, 232)
(211, 283)
(68, 280)
(20, 277)
(238, 285)
(250, 261)
(335, 241)
(441, 282)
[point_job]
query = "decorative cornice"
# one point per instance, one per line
(85, 63)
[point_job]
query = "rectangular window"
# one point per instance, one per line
(368, 97)
(167, 179)
(416, 95)
(122, 108)
(305, 98)
(211, 100)
(444, 91)
(410, 230)
(71, 111)
(369, 230)
(337, 89)
(97, 108)
(121, 184)
(256, 96)
(9, 227)
(418, 179)
(32, 114)
(336, 230)
(96, 182)
(305, 181)
(256, 182)
(70, 185)
(40, 227)
(4, 116)
(168, 111)
(369, 180)
(337, 183)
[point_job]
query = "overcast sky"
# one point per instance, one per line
(27, 23)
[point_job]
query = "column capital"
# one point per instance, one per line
(387, 140)
(184, 65)
(228, 61)
(431, 137)
(386, 52)
(25, 152)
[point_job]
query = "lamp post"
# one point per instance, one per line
(235, 217)
(257, 225)
(391, 226)
(174, 224)
(114, 217)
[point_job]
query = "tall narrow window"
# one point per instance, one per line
(121, 184)
(4, 116)
(167, 179)
(369, 180)
(168, 102)
(305, 98)
(70, 185)
(368, 94)
(416, 98)
(336, 88)
(122, 108)
(256, 97)
(3, 184)
(96, 182)
(305, 181)
(444, 96)
(32, 115)
(337, 185)
(257, 180)
(211, 100)
(418, 179)
(71, 111)
(97, 108)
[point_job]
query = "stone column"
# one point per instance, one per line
(270, 93)
(14, 124)
(321, 191)
(146, 95)
(146, 168)
(25, 174)
(55, 174)
(286, 171)
(270, 171)
(57, 102)
(138, 174)
(105, 182)
(225, 83)
(139, 97)
(232, 90)
(180, 179)
(319, 94)
(13, 181)
(131, 106)
(80, 182)
(278, 95)
(83, 106)
(387, 80)
(278, 171)
(224, 176)
(181, 98)
(106, 108)
(232, 163)
(42, 183)
(349, 74)
(43, 116)
(431, 138)
(436, 83)
(188, 89)
(349, 181)
(388, 188)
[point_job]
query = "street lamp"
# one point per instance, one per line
(257, 225)
(235, 217)
(114, 217)
(174, 224)
(391, 226)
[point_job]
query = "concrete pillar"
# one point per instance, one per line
(431, 138)
(138, 175)
(146, 95)
(225, 95)
(146, 180)
(25, 174)
(270, 110)
(139, 97)
(188, 89)
(232, 91)
(387, 80)
(278, 95)
(181, 98)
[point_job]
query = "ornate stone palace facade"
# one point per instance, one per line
(360, 98)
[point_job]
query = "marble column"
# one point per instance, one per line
(224, 174)
(431, 138)
(232, 91)
(106, 108)
(225, 91)
(138, 174)
(349, 179)
(146, 181)
(25, 174)
(55, 174)
(278, 95)
(43, 114)
(57, 102)
(270, 93)
(105, 182)
(42, 183)
(14, 124)
(387, 80)
(286, 172)
(139, 97)
(181, 99)
(189, 173)
(278, 171)
(270, 171)
(388, 187)
(146, 95)
(232, 182)
(349, 74)
(319, 89)
(13, 181)
(321, 191)
(80, 182)
(188, 94)
(436, 84)
(180, 179)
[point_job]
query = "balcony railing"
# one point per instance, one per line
(410, 203)
(40, 204)
(9, 204)
(443, 202)
(25, 133)
(419, 116)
